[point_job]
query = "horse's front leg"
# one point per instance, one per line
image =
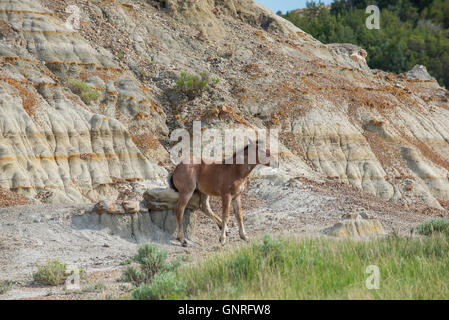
(238, 212)
(226, 203)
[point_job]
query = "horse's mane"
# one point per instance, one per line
(245, 149)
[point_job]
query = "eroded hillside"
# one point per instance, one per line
(385, 134)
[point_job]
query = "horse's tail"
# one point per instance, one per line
(171, 183)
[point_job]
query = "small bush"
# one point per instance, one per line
(155, 279)
(163, 286)
(429, 227)
(82, 89)
(133, 275)
(96, 287)
(91, 95)
(152, 260)
(53, 273)
(192, 85)
(126, 262)
(5, 286)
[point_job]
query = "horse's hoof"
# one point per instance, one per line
(184, 244)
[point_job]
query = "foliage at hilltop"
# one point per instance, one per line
(411, 32)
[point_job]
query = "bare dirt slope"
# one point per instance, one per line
(382, 133)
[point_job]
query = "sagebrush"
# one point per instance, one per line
(53, 273)
(154, 279)
(429, 227)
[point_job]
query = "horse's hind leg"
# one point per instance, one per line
(205, 207)
(180, 208)
(237, 207)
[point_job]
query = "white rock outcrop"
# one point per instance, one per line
(357, 226)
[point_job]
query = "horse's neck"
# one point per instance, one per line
(243, 170)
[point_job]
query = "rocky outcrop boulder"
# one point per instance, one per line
(165, 199)
(116, 207)
(152, 219)
(356, 225)
(419, 72)
(161, 204)
(349, 54)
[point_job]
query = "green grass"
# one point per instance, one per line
(322, 268)
(429, 227)
(164, 285)
(97, 287)
(5, 286)
(83, 90)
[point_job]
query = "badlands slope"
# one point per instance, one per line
(384, 134)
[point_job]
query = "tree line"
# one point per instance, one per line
(411, 32)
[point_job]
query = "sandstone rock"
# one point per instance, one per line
(419, 72)
(109, 206)
(165, 199)
(349, 54)
(116, 207)
(131, 206)
(356, 225)
(140, 227)
(166, 221)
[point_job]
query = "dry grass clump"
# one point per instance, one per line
(146, 141)
(9, 199)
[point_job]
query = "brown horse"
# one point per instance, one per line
(210, 178)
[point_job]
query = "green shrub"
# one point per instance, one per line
(192, 85)
(155, 279)
(429, 227)
(130, 274)
(152, 260)
(53, 273)
(83, 90)
(95, 287)
(78, 86)
(91, 95)
(163, 286)
(5, 286)
(126, 262)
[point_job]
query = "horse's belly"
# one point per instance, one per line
(210, 192)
